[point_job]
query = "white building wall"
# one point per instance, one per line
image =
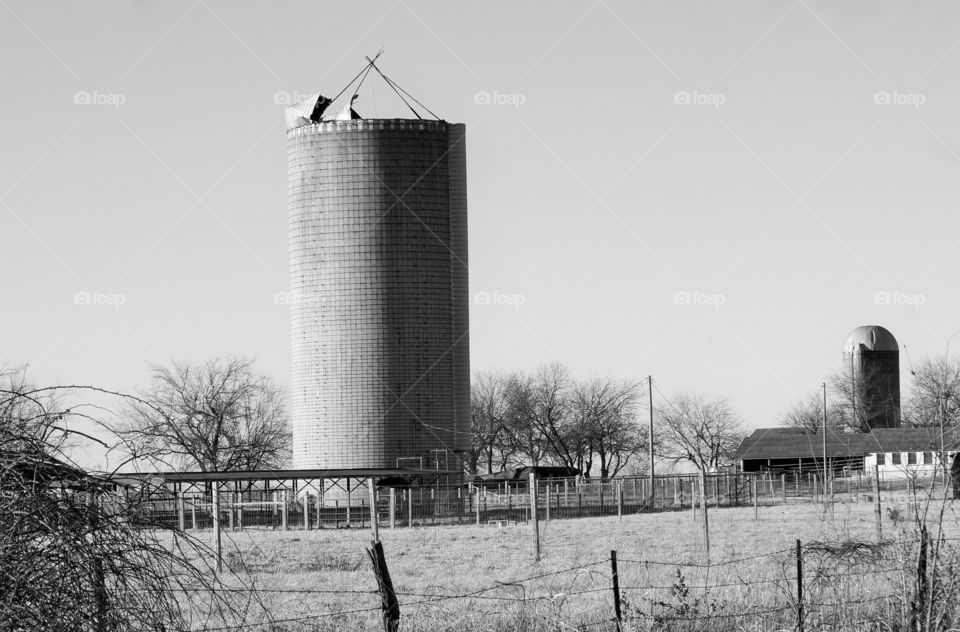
(903, 470)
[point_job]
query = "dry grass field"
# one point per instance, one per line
(486, 578)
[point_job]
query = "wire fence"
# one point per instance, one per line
(710, 553)
(812, 585)
(509, 502)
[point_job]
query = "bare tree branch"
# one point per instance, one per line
(703, 431)
(77, 554)
(215, 416)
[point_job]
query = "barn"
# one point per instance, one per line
(522, 475)
(896, 452)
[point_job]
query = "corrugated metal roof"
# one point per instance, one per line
(522, 473)
(775, 443)
(264, 475)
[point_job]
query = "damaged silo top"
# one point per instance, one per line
(317, 108)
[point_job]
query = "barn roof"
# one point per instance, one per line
(522, 473)
(787, 443)
(39, 468)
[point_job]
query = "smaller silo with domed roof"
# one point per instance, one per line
(871, 356)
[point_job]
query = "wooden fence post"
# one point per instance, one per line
(409, 506)
(706, 519)
(284, 510)
(533, 514)
(783, 487)
(619, 485)
(388, 598)
(476, 505)
(799, 587)
(756, 504)
(181, 511)
(693, 498)
(393, 508)
(349, 502)
(548, 501)
(877, 512)
(306, 510)
(321, 502)
(616, 588)
(216, 525)
(374, 517)
(921, 605)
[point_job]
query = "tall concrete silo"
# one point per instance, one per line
(871, 355)
(379, 296)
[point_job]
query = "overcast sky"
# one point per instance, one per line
(711, 193)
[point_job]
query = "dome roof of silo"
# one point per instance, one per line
(872, 338)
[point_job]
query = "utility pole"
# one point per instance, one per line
(853, 392)
(650, 438)
(824, 414)
(943, 454)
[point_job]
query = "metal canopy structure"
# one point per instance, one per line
(273, 475)
(317, 496)
(283, 479)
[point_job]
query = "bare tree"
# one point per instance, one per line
(488, 422)
(523, 435)
(215, 416)
(807, 415)
(703, 431)
(550, 413)
(541, 424)
(934, 394)
(550, 418)
(605, 425)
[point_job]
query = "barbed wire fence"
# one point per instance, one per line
(851, 576)
(812, 585)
